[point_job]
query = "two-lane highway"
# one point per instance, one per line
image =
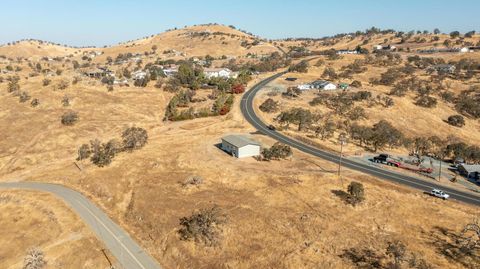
(125, 250)
(249, 113)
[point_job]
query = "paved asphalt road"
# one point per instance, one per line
(249, 113)
(125, 250)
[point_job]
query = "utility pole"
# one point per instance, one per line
(342, 138)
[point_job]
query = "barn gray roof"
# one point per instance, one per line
(471, 168)
(239, 140)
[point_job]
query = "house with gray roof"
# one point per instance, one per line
(323, 85)
(240, 146)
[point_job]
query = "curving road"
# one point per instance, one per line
(248, 111)
(125, 250)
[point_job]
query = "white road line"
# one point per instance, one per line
(113, 234)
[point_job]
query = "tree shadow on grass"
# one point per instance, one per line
(343, 195)
(450, 244)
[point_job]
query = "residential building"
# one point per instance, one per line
(240, 146)
(342, 52)
(120, 82)
(323, 85)
(381, 47)
(98, 72)
(218, 72)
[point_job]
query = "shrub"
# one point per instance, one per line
(276, 152)
(24, 96)
(426, 101)
(357, 113)
(34, 259)
(192, 181)
(456, 120)
(239, 88)
(203, 226)
(356, 84)
(35, 102)
(141, 82)
(356, 192)
(134, 138)
(269, 105)
(46, 82)
(69, 118)
(13, 86)
(84, 152)
(62, 85)
(330, 73)
(65, 101)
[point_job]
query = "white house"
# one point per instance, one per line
(170, 71)
(342, 52)
(323, 85)
(388, 47)
(304, 87)
(120, 82)
(218, 72)
(240, 146)
(465, 49)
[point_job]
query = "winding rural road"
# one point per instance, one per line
(125, 250)
(248, 111)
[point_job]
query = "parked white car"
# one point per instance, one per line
(439, 194)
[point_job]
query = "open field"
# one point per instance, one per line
(38, 220)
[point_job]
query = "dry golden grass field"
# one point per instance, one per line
(38, 220)
(279, 214)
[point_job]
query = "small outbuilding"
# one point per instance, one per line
(469, 170)
(240, 146)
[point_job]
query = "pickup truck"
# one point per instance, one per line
(439, 194)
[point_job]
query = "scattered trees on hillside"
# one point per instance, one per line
(301, 67)
(299, 116)
(378, 136)
(426, 101)
(467, 102)
(102, 154)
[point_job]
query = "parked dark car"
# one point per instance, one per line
(271, 127)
